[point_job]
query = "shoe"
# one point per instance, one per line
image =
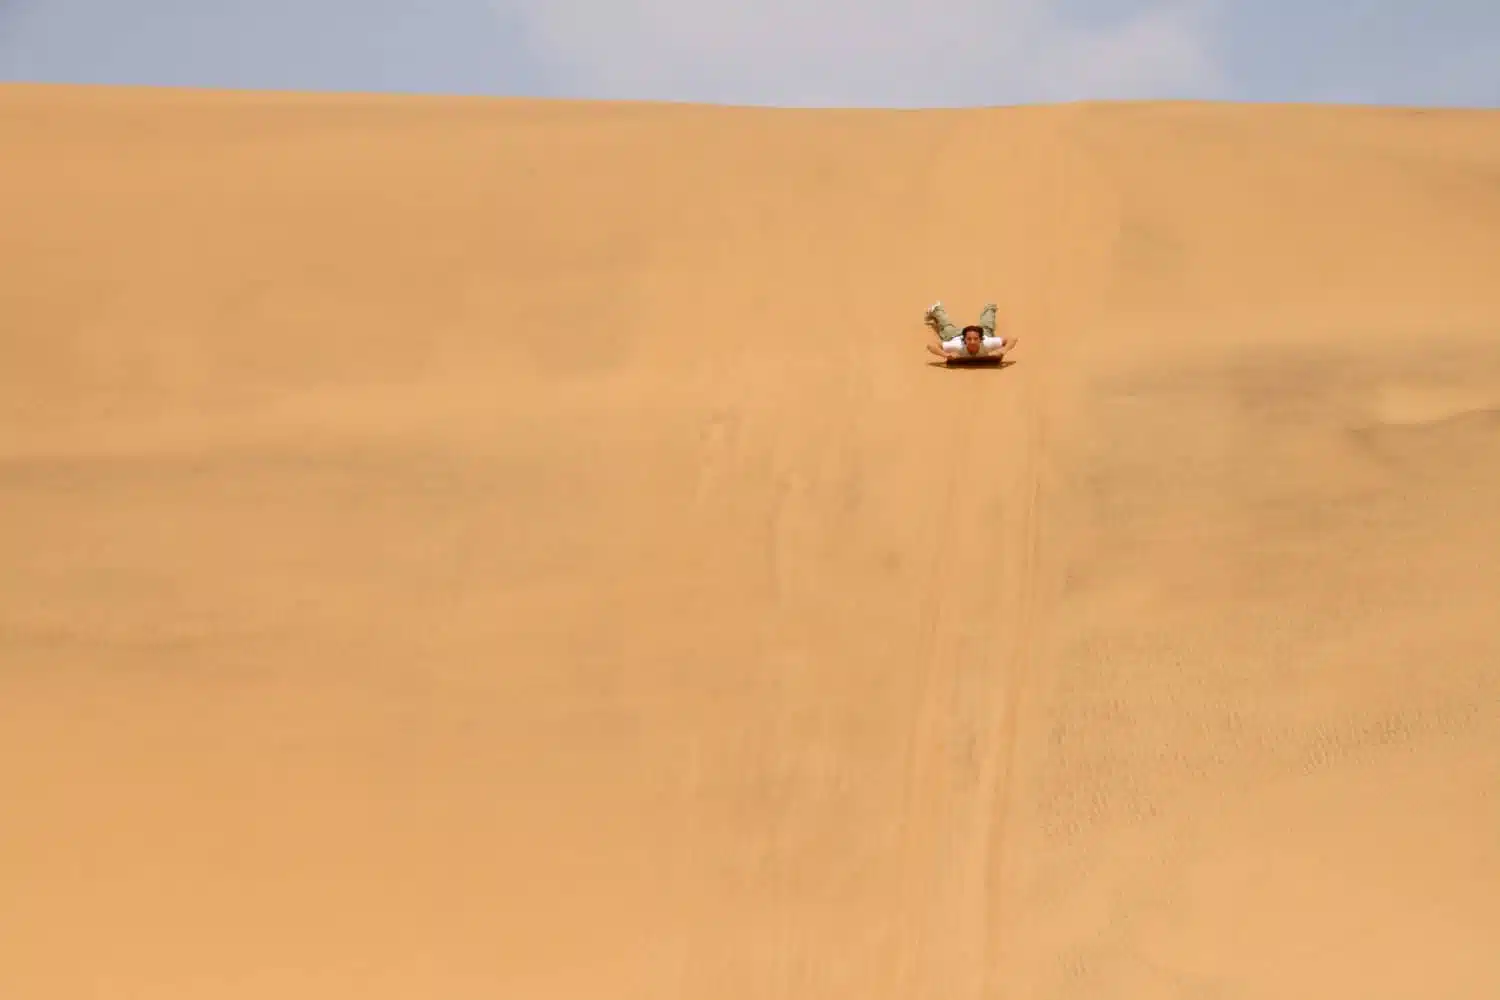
(933, 308)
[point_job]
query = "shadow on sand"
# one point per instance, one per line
(968, 364)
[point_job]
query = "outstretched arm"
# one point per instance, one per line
(935, 344)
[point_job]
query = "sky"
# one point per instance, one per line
(801, 53)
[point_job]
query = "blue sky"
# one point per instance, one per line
(894, 53)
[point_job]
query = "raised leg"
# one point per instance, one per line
(987, 319)
(937, 318)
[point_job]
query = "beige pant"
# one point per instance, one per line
(939, 321)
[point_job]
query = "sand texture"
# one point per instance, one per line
(469, 549)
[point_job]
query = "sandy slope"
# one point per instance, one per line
(474, 549)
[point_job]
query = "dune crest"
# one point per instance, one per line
(467, 548)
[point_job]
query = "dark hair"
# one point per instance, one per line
(975, 327)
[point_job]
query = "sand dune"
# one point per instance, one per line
(462, 548)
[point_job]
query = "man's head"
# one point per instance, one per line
(973, 338)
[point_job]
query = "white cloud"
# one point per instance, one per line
(900, 53)
(1163, 51)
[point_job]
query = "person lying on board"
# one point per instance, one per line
(973, 342)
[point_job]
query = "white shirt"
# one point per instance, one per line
(954, 347)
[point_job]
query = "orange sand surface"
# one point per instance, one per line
(469, 549)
